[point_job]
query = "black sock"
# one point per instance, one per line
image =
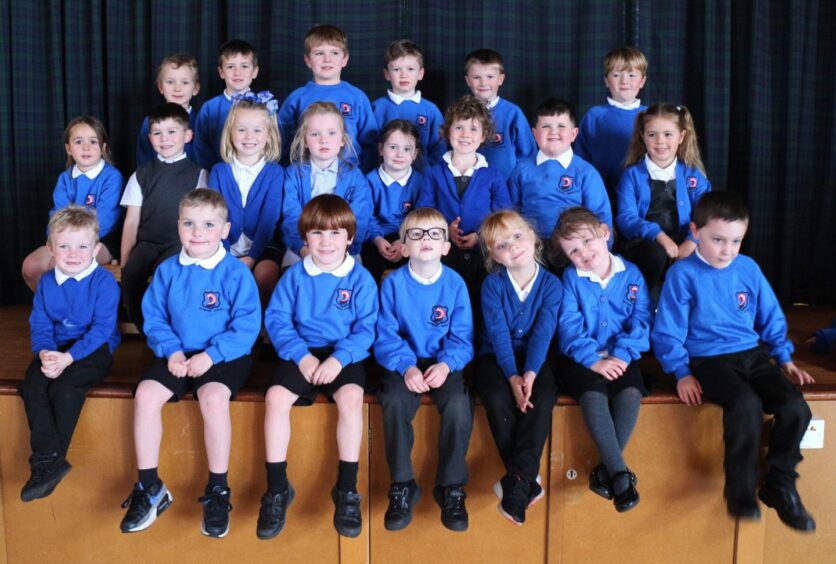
(217, 480)
(148, 477)
(276, 477)
(347, 476)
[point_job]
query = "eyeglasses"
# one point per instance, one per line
(435, 233)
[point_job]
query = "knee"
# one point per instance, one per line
(146, 400)
(747, 406)
(213, 400)
(795, 410)
(349, 401)
(456, 408)
(60, 392)
(278, 400)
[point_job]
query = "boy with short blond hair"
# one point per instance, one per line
(605, 130)
(237, 67)
(512, 141)
(73, 326)
(326, 54)
(403, 68)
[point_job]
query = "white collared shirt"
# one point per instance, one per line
(208, 263)
(616, 266)
(174, 159)
(631, 106)
(425, 281)
(658, 173)
(522, 293)
(388, 180)
(324, 180)
(245, 176)
(492, 104)
(398, 100)
(481, 162)
(92, 173)
(565, 158)
(61, 277)
(340, 272)
(229, 96)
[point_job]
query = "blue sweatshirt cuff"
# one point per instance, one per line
(215, 354)
(682, 371)
(343, 356)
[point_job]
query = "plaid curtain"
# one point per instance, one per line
(757, 75)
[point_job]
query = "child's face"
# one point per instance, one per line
(484, 80)
(249, 135)
(466, 135)
(624, 84)
(554, 134)
(398, 153)
(84, 147)
(168, 138)
(719, 240)
(429, 245)
(588, 250)
(238, 73)
(514, 247)
(328, 247)
(324, 138)
(201, 230)
(403, 74)
(177, 85)
(326, 62)
(73, 250)
(662, 138)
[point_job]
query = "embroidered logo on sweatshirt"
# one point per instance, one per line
(742, 301)
(498, 139)
(632, 293)
(566, 183)
(422, 121)
(345, 109)
(343, 299)
(90, 200)
(439, 317)
(211, 301)
(406, 206)
(692, 182)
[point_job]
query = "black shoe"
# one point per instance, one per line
(347, 517)
(535, 491)
(600, 482)
(629, 498)
(47, 471)
(273, 513)
(144, 506)
(745, 507)
(216, 508)
(787, 503)
(401, 502)
(514, 498)
(453, 512)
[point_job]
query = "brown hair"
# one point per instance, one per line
(299, 152)
(273, 147)
(402, 48)
(483, 57)
(689, 150)
(404, 126)
(171, 111)
(97, 127)
(468, 107)
(180, 60)
(236, 47)
(327, 211)
(416, 216)
(722, 205)
(325, 33)
(628, 58)
(504, 221)
(74, 218)
(205, 197)
(572, 221)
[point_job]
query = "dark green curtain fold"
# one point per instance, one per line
(757, 75)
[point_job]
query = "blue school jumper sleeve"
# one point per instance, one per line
(355, 346)
(391, 203)
(427, 119)
(603, 139)
(207, 130)
(101, 194)
(513, 140)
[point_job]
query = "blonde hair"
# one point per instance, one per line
(180, 60)
(418, 215)
(325, 34)
(74, 218)
(299, 153)
(273, 147)
(98, 128)
(205, 198)
(689, 150)
(504, 221)
(628, 58)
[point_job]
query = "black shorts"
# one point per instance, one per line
(288, 376)
(577, 379)
(112, 242)
(232, 374)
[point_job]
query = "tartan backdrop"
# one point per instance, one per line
(757, 75)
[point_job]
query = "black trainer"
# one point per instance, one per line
(514, 498)
(273, 513)
(402, 500)
(216, 508)
(347, 518)
(144, 506)
(47, 472)
(451, 501)
(535, 491)
(787, 503)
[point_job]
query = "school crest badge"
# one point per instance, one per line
(90, 200)
(345, 109)
(343, 299)
(211, 301)
(692, 182)
(566, 183)
(498, 139)
(422, 121)
(406, 206)
(439, 316)
(632, 293)
(742, 301)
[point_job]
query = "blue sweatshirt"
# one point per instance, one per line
(514, 327)
(542, 192)
(487, 192)
(615, 319)
(603, 139)
(208, 128)
(257, 219)
(351, 187)
(391, 203)
(427, 119)
(193, 309)
(323, 310)
(145, 152)
(81, 311)
(423, 321)
(633, 197)
(354, 105)
(705, 311)
(513, 140)
(102, 194)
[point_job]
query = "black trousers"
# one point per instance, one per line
(400, 405)
(520, 437)
(375, 263)
(747, 385)
(142, 262)
(53, 405)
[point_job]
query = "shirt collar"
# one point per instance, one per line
(340, 272)
(388, 180)
(208, 263)
(658, 173)
(492, 104)
(229, 98)
(398, 100)
(172, 160)
(522, 293)
(92, 173)
(425, 281)
(250, 169)
(60, 277)
(481, 162)
(616, 266)
(631, 106)
(331, 168)
(564, 158)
